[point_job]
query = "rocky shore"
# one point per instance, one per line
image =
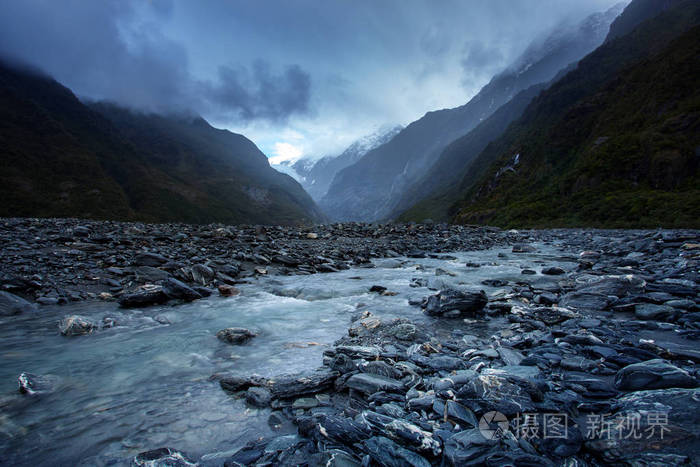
(597, 365)
(57, 261)
(600, 369)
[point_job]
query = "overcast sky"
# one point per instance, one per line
(298, 77)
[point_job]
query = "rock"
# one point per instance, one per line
(369, 384)
(175, 289)
(312, 236)
(522, 248)
(387, 453)
(553, 271)
(403, 432)
(453, 303)
(469, 447)
(143, 298)
(258, 397)
(76, 326)
(653, 374)
(11, 304)
(148, 274)
(163, 457)
(340, 430)
(377, 289)
(664, 428)
(36, 384)
(235, 336)
(202, 274)
(291, 386)
(149, 259)
(648, 311)
(234, 383)
(228, 291)
(404, 331)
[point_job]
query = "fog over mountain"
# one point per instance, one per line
(306, 77)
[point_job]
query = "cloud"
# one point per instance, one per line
(112, 50)
(330, 71)
(259, 93)
(285, 152)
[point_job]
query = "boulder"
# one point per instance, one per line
(163, 457)
(664, 428)
(235, 336)
(11, 304)
(143, 298)
(653, 374)
(76, 326)
(369, 384)
(387, 453)
(173, 288)
(454, 303)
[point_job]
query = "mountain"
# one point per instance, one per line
(614, 143)
(63, 158)
(316, 175)
(374, 187)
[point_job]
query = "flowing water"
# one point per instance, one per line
(145, 383)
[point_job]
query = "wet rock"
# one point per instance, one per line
(387, 453)
(291, 386)
(469, 447)
(202, 274)
(36, 384)
(258, 396)
(454, 303)
(377, 289)
(405, 331)
(648, 311)
(144, 298)
(233, 383)
(175, 289)
(523, 248)
(403, 432)
(148, 274)
(235, 336)
(228, 291)
(369, 384)
(665, 424)
(76, 326)
(653, 374)
(163, 457)
(149, 259)
(11, 304)
(338, 429)
(553, 271)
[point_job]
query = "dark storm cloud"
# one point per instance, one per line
(313, 73)
(260, 93)
(107, 50)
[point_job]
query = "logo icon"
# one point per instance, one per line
(493, 425)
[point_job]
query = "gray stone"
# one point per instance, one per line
(369, 384)
(259, 397)
(235, 336)
(387, 453)
(653, 374)
(11, 304)
(76, 326)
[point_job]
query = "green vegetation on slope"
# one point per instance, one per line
(62, 158)
(615, 143)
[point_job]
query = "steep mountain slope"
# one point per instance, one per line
(372, 188)
(63, 158)
(316, 176)
(615, 143)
